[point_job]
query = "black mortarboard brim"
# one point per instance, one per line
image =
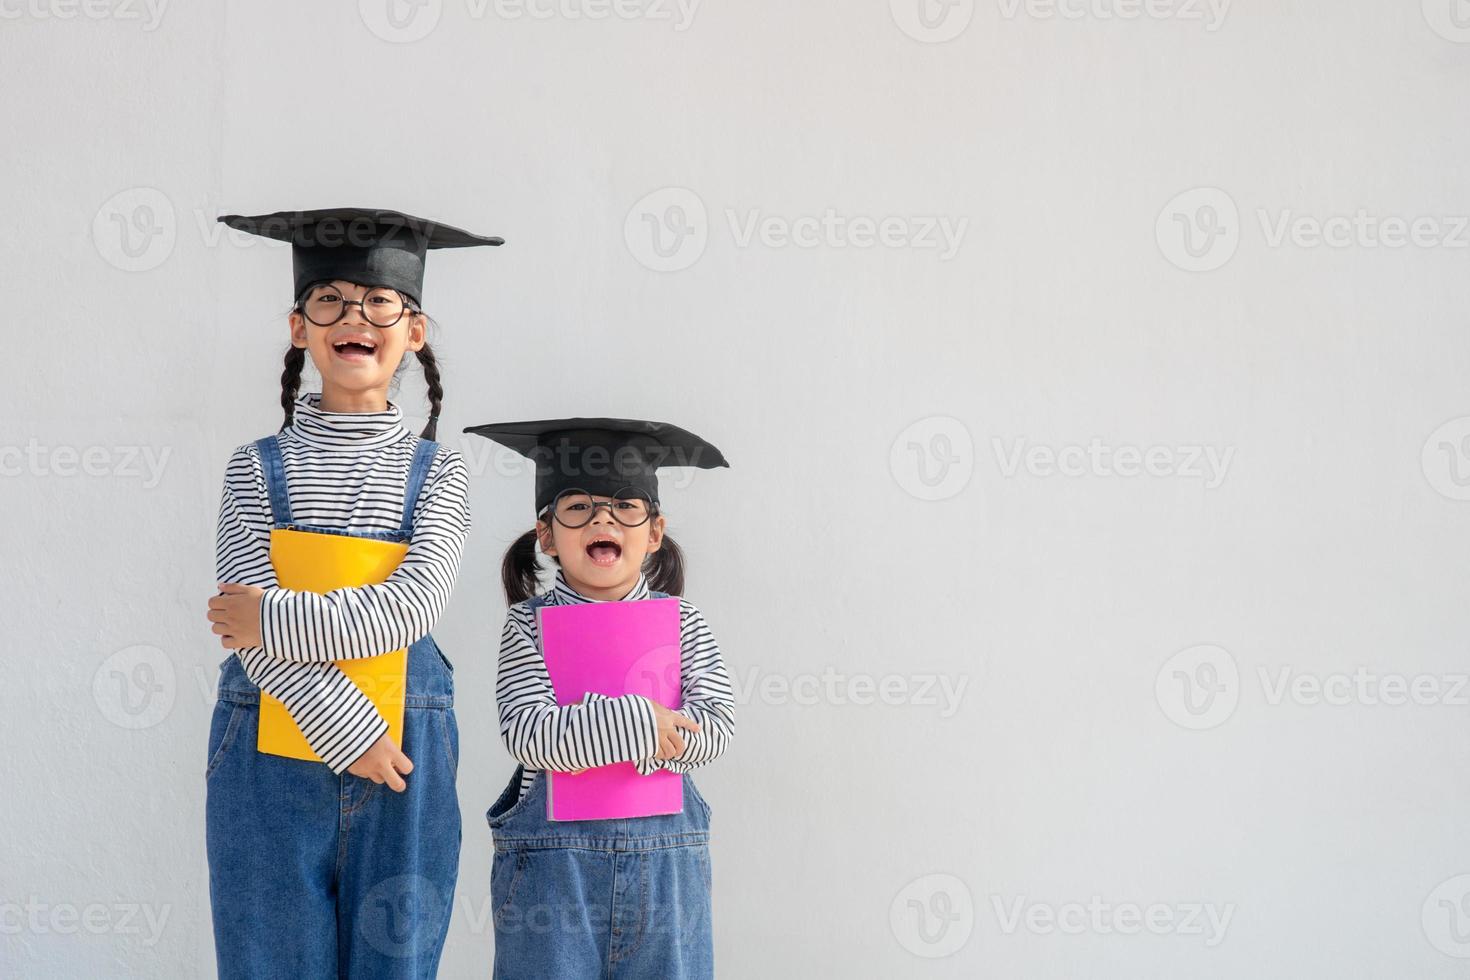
(367, 246)
(601, 456)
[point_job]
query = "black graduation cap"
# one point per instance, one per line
(601, 456)
(367, 246)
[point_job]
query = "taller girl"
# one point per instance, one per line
(332, 822)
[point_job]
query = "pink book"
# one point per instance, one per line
(613, 648)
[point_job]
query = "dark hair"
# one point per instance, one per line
(296, 362)
(520, 567)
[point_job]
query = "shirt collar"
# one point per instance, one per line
(345, 431)
(563, 594)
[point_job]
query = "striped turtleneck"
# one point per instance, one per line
(541, 734)
(344, 431)
(346, 471)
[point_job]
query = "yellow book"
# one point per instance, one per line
(307, 561)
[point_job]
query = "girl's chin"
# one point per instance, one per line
(590, 571)
(362, 375)
(353, 365)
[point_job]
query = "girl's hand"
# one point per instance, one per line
(236, 615)
(382, 764)
(670, 742)
(579, 702)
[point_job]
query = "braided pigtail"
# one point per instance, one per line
(430, 364)
(291, 382)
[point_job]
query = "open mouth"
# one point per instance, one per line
(356, 348)
(604, 552)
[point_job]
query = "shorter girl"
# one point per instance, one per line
(625, 898)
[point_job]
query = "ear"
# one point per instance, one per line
(656, 533)
(298, 330)
(543, 535)
(417, 331)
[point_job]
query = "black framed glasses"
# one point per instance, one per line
(324, 305)
(576, 507)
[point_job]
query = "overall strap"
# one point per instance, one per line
(275, 479)
(418, 472)
(655, 594)
(536, 602)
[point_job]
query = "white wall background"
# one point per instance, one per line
(1118, 748)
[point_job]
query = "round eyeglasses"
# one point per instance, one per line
(382, 307)
(630, 507)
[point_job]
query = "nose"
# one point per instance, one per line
(354, 312)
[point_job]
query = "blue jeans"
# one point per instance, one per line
(610, 899)
(313, 875)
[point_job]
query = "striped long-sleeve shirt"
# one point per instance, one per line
(604, 730)
(345, 471)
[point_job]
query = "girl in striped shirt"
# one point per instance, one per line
(339, 857)
(593, 898)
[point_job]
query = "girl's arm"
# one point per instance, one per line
(339, 721)
(542, 735)
(368, 620)
(706, 696)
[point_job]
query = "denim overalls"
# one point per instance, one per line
(313, 875)
(600, 899)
